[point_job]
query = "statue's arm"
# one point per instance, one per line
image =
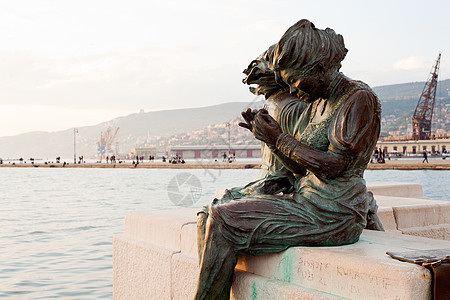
(266, 129)
(322, 163)
(290, 164)
(354, 128)
(357, 125)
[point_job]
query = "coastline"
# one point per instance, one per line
(411, 164)
(397, 164)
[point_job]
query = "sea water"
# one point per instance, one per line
(56, 225)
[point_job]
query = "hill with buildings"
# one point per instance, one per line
(204, 125)
(410, 90)
(135, 129)
(398, 104)
(399, 101)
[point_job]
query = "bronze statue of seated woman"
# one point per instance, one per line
(325, 148)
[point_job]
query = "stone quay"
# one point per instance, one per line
(156, 256)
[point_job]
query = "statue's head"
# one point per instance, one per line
(260, 74)
(305, 53)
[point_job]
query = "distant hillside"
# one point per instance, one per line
(409, 90)
(134, 128)
(399, 101)
(155, 127)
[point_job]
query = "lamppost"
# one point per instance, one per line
(75, 131)
(228, 125)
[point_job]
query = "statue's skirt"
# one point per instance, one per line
(320, 213)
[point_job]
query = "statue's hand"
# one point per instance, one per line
(265, 128)
(249, 117)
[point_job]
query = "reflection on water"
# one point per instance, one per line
(57, 224)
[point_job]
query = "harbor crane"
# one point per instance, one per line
(424, 110)
(106, 141)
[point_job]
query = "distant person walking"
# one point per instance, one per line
(425, 157)
(375, 154)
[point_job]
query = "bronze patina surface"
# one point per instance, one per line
(318, 130)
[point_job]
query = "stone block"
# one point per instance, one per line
(389, 240)
(189, 240)
(160, 227)
(134, 273)
(440, 232)
(386, 216)
(157, 258)
(422, 215)
(250, 286)
(393, 201)
(184, 276)
(358, 271)
(399, 189)
(245, 285)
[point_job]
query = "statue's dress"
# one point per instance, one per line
(274, 177)
(324, 209)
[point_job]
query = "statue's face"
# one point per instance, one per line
(298, 82)
(314, 82)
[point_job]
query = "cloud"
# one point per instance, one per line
(412, 63)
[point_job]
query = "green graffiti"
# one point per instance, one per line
(285, 267)
(254, 292)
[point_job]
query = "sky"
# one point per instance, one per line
(66, 64)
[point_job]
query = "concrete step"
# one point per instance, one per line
(415, 216)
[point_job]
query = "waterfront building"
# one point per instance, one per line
(142, 151)
(215, 151)
(405, 148)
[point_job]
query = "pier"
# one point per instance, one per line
(393, 164)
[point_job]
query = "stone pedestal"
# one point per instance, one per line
(156, 258)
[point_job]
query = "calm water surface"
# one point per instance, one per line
(56, 225)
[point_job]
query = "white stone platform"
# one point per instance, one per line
(156, 257)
